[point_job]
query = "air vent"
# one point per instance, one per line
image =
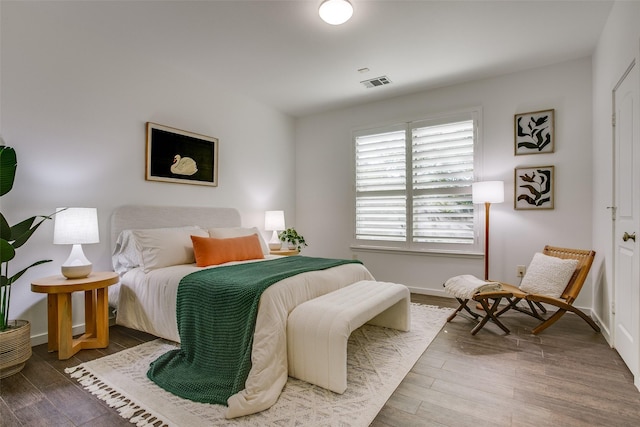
(378, 81)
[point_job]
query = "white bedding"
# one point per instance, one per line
(147, 302)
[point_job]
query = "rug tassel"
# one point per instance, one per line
(71, 370)
(116, 401)
(94, 389)
(76, 373)
(86, 382)
(103, 394)
(141, 419)
(111, 397)
(129, 410)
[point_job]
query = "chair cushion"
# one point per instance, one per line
(548, 275)
(466, 286)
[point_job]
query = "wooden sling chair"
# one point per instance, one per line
(563, 303)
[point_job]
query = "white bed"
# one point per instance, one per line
(146, 301)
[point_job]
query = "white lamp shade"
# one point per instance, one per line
(274, 220)
(335, 12)
(488, 192)
(75, 226)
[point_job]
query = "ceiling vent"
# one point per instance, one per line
(378, 81)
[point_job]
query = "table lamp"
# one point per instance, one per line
(76, 226)
(487, 192)
(274, 221)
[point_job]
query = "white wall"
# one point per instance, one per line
(619, 44)
(74, 106)
(324, 174)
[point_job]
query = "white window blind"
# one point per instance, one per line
(381, 181)
(413, 185)
(442, 171)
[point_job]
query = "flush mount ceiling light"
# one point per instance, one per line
(335, 12)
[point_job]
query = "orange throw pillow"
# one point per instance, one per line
(211, 251)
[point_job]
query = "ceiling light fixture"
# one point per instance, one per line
(335, 12)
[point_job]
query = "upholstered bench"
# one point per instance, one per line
(318, 329)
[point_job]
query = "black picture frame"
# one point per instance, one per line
(179, 156)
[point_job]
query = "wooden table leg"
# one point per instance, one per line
(65, 334)
(90, 314)
(102, 318)
(52, 322)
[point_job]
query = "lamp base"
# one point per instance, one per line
(77, 265)
(76, 271)
(275, 244)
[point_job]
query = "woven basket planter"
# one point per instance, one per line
(15, 347)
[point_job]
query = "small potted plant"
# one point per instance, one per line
(293, 240)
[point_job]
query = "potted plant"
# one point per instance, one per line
(15, 335)
(293, 240)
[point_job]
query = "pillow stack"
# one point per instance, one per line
(154, 248)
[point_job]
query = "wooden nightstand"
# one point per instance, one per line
(285, 252)
(96, 311)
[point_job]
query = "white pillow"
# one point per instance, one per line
(231, 232)
(548, 275)
(125, 255)
(164, 247)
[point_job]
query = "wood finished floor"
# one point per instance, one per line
(566, 376)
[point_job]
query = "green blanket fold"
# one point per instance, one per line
(216, 313)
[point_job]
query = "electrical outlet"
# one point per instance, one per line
(520, 270)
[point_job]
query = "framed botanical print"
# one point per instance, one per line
(534, 132)
(534, 187)
(175, 155)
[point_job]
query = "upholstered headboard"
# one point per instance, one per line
(142, 217)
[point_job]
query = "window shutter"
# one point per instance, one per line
(381, 186)
(442, 174)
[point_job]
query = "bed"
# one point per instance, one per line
(145, 298)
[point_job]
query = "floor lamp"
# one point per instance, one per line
(487, 192)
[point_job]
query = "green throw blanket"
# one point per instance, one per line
(216, 312)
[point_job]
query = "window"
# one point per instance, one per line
(413, 185)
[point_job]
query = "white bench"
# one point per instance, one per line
(318, 329)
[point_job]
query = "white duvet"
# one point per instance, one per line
(147, 302)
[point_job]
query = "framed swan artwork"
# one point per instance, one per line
(175, 155)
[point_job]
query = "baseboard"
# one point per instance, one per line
(76, 330)
(431, 292)
(44, 337)
(604, 329)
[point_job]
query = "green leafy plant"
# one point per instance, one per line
(12, 237)
(292, 238)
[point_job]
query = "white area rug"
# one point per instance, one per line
(378, 360)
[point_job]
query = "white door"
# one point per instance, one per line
(627, 219)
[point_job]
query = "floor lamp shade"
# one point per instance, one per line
(487, 192)
(274, 221)
(76, 226)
